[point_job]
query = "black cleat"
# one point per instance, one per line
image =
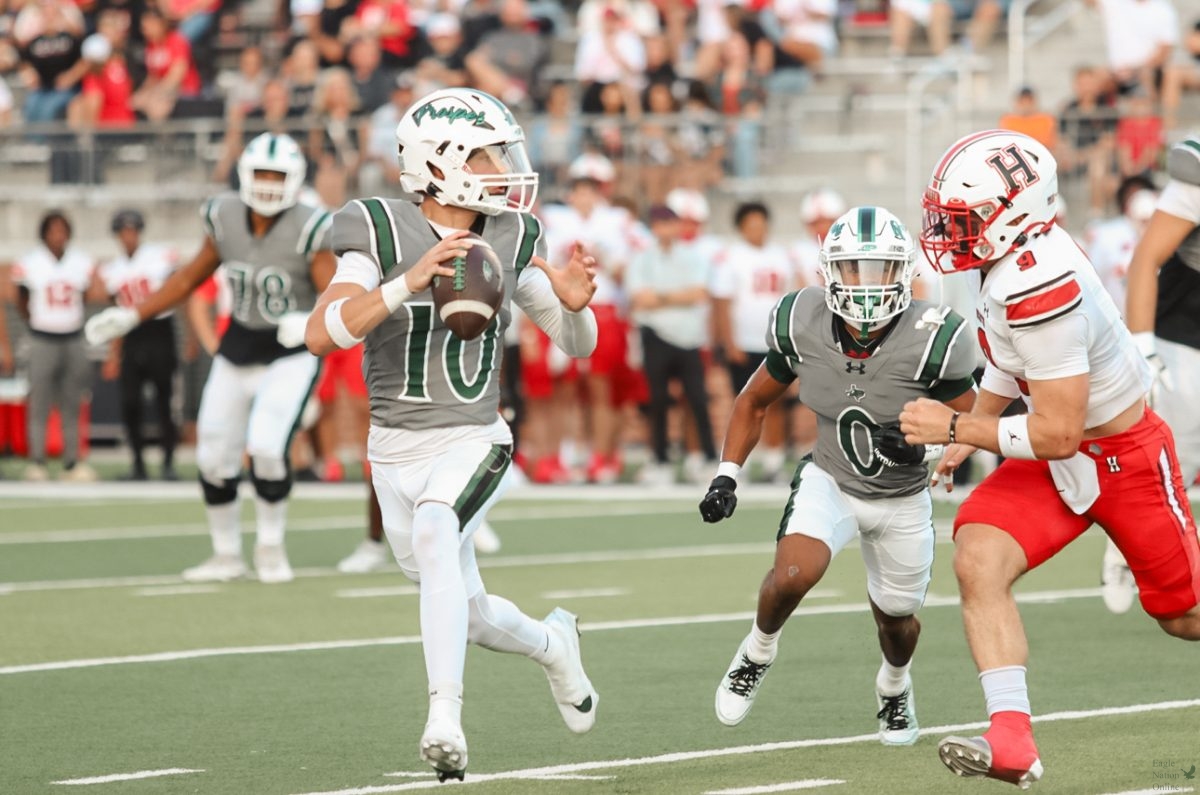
(446, 775)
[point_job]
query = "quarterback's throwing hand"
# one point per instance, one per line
(116, 321)
(574, 283)
(433, 262)
(720, 501)
(926, 421)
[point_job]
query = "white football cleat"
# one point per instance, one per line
(80, 473)
(368, 556)
(36, 473)
(218, 568)
(573, 692)
(271, 563)
(445, 748)
(897, 716)
(485, 539)
(972, 757)
(738, 688)
(1117, 585)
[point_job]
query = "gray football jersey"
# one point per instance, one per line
(420, 375)
(928, 354)
(268, 275)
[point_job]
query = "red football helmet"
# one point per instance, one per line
(988, 194)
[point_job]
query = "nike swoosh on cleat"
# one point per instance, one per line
(584, 706)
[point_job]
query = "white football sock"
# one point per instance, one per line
(499, 625)
(270, 519)
(443, 596)
(890, 680)
(1005, 690)
(224, 525)
(772, 460)
(762, 647)
(445, 701)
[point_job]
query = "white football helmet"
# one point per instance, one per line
(990, 193)
(269, 152)
(464, 148)
(867, 262)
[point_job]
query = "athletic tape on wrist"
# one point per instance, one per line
(336, 327)
(1013, 437)
(395, 293)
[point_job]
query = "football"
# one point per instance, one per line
(467, 301)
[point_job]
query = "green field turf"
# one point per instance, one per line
(92, 585)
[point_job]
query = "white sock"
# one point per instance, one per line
(772, 459)
(270, 518)
(443, 605)
(1005, 690)
(762, 647)
(891, 680)
(224, 525)
(497, 624)
(445, 701)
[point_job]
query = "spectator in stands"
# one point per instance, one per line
(335, 141)
(1110, 243)
(194, 19)
(388, 21)
(301, 70)
(818, 210)
(273, 115)
(52, 53)
(740, 95)
(170, 71)
(323, 24)
(148, 354)
(443, 57)
(6, 351)
(379, 167)
(701, 135)
(1087, 126)
(6, 104)
(372, 82)
(660, 61)
(244, 88)
(1182, 74)
(938, 17)
(1140, 37)
(804, 37)
(659, 152)
(668, 294)
(1139, 136)
(555, 137)
(612, 55)
(508, 61)
(642, 15)
(53, 282)
(106, 98)
(1026, 117)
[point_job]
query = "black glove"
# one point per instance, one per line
(893, 451)
(720, 501)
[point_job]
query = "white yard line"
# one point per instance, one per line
(739, 750)
(370, 593)
(1034, 597)
(1161, 789)
(170, 771)
(786, 786)
(585, 593)
(177, 590)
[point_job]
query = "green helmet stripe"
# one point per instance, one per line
(271, 146)
(866, 224)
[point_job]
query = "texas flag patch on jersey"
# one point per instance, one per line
(1044, 302)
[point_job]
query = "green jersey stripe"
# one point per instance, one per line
(532, 231)
(322, 220)
(939, 348)
(385, 237)
(783, 326)
(483, 483)
(791, 502)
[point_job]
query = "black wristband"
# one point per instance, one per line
(953, 424)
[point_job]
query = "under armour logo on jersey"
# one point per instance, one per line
(856, 367)
(1010, 162)
(855, 394)
(1113, 466)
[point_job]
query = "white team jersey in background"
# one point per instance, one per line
(1110, 247)
(753, 279)
(57, 288)
(132, 279)
(1045, 315)
(604, 233)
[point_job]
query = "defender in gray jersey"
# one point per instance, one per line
(438, 447)
(861, 348)
(276, 253)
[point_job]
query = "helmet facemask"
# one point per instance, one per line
(953, 235)
(265, 156)
(867, 264)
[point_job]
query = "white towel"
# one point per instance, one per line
(1077, 481)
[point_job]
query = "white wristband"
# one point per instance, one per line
(335, 326)
(1013, 437)
(395, 293)
(1145, 343)
(728, 469)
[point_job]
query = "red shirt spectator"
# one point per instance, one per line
(389, 19)
(107, 86)
(162, 55)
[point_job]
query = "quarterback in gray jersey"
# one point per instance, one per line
(275, 250)
(438, 448)
(861, 348)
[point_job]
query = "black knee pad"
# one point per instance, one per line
(219, 494)
(271, 490)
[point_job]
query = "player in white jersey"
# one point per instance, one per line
(748, 279)
(275, 251)
(438, 448)
(1109, 243)
(1089, 450)
(54, 281)
(148, 353)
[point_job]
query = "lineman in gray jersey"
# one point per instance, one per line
(438, 447)
(861, 348)
(276, 253)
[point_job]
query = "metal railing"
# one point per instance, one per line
(1022, 36)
